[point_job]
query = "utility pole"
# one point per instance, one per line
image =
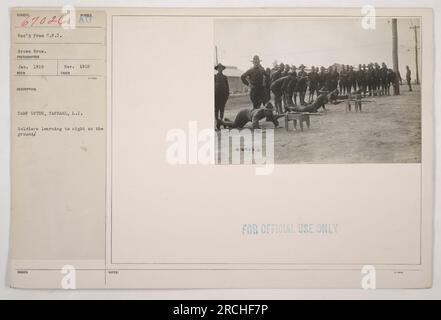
(415, 28)
(395, 55)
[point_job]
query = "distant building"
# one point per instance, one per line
(233, 74)
(338, 66)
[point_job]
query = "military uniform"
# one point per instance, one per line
(362, 80)
(354, 79)
(371, 79)
(384, 80)
(221, 94)
(334, 80)
(277, 73)
(342, 80)
(328, 79)
(290, 89)
(377, 79)
(322, 76)
(293, 84)
(391, 80)
(302, 85)
(277, 88)
(286, 71)
(351, 80)
(313, 83)
(254, 78)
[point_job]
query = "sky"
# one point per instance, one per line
(313, 42)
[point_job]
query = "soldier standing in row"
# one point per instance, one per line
(354, 79)
(370, 79)
(302, 84)
(255, 78)
(286, 71)
(313, 83)
(362, 79)
(292, 85)
(342, 80)
(334, 79)
(351, 80)
(357, 78)
(377, 78)
(391, 80)
(328, 82)
(221, 94)
(334, 76)
(322, 77)
(384, 79)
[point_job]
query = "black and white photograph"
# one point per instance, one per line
(334, 90)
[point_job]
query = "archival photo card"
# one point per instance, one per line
(221, 148)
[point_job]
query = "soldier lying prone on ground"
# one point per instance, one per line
(254, 116)
(322, 99)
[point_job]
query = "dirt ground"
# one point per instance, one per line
(388, 130)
